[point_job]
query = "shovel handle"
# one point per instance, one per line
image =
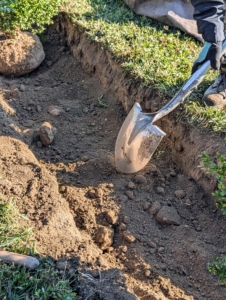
(191, 84)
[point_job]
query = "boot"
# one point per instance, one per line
(215, 95)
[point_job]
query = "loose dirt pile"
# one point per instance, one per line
(144, 236)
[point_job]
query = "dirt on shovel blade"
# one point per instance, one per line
(144, 236)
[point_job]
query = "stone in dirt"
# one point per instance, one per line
(128, 236)
(104, 237)
(131, 185)
(123, 198)
(160, 190)
(54, 110)
(47, 133)
(180, 194)
(16, 59)
(168, 216)
(154, 208)
(129, 194)
(140, 179)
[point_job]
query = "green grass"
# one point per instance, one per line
(17, 282)
(218, 268)
(150, 52)
(206, 117)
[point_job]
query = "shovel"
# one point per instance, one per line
(138, 138)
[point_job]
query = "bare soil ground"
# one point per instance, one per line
(86, 215)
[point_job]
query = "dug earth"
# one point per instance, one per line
(146, 236)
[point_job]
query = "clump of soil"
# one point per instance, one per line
(20, 54)
(143, 236)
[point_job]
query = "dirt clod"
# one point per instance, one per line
(104, 237)
(168, 216)
(112, 218)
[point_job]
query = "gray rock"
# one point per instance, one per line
(47, 133)
(168, 216)
(140, 179)
(131, 185)
(160, 190)
(129, 194)
(22, 88)
(154, 208)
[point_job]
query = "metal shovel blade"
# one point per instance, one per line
(137, 140)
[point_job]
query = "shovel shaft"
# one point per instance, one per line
(191, 84)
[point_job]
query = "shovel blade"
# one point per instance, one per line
(136, 142)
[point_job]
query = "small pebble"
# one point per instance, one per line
(123, 198)
(122, 227)
(131, 185)
(140, 179)
(129, 194)
(22, 88)
(160, 190)
(128, 236)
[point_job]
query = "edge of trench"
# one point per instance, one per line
(186, 142)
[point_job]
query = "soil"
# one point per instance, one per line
(144, 236)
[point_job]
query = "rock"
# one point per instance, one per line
(154, 208)
(152, 168)
(104, 237)
(38, 108)
(22, 88)
(111, 217)
(161, 249)
(47, 133)
(140, 179)
(131, 185)
(160, 190)
(67, 109)
(17, 60)
(146, 205)
(168, 216)
(123, 198)
(62, 189)
(128, 236)
(152, 245)
(124, 249)
(129, 194)
(92, 193)
(180, 194)
(187, 202)
(122, 227)
(54, 110)
(147, 273)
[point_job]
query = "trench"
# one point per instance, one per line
(185, 142)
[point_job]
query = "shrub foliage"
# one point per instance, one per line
(27, 14)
